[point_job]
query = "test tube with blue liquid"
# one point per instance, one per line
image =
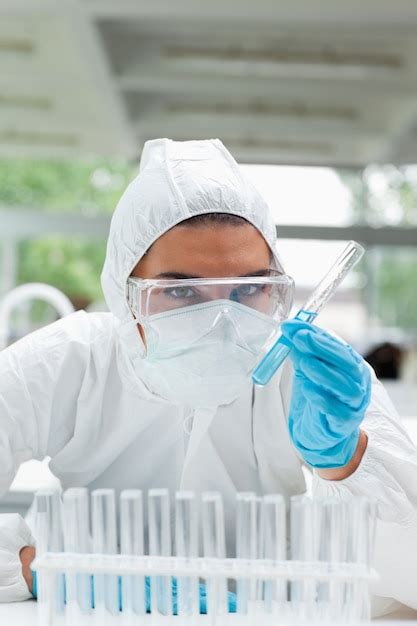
(277, 354)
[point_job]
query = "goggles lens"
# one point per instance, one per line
(271, 295)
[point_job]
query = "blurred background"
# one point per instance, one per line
(317, 100)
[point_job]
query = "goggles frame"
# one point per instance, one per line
(138, 300)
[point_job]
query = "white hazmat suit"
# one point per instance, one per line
(70, 391)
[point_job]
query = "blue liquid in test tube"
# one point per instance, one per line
(277, 354)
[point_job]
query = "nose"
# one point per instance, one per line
(224, 326)
(221, 292)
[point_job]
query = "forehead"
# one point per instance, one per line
(207, 251)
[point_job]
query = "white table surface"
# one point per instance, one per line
(25, 614)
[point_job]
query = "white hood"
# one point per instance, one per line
(176, 180)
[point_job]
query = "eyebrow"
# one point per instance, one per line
(181, 276)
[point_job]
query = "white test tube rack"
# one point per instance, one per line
(305, 588)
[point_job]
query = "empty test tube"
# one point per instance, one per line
(333, 541)
(77, 539)
(361, 536)
(106, 587)
(159, 525)
(132, 543)
(304, 547)
(214, 547)
(247, 546)
(362, 530)
(274, 522)
(186, 544)
(53, 504)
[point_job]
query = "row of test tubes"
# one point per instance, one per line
(315, 567)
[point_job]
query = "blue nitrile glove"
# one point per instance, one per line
(331, 391)
(202, 591)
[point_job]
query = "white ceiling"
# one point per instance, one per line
(279, 81)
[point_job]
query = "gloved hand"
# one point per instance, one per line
(331, 391)
(202, 594)
(14, 535)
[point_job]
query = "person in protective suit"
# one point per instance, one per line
(158, 391)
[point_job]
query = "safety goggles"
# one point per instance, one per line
(271, 295)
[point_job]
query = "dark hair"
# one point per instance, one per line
(206, 219)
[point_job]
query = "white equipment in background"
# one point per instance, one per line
(26, 293)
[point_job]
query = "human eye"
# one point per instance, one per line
(249, 290)
(180, 293)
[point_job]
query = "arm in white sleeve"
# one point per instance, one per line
(14, 535)
(387, 473)
(40, 377)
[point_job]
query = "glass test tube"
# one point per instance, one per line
(106, 587)
(132, 544)
(214, 547)
(77, 539)
(361, 536)
(186, 543)
(159, 524)
(45, 580)
(333, 540)
(247, 547)
(304, 547)
(274, 522)
(279, 351)
(53, 536)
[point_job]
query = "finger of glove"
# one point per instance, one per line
(349, 388)
(231, 598)
(338, 413)
(311, 340)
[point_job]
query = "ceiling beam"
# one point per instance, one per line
(259, 126)
(159, 79)
(87, 38)
(322, 12)
(23, 224)
(367, 235)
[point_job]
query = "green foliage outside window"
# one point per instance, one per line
(387, 195)
(89, 187)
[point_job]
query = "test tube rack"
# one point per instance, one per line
(309, 562)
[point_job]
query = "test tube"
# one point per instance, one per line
(304, 547)
(45, 580)
(279, 351)
(333, 540)
(274, 521)
(360, 545)
(132, 544)
(52, 502)
(77, 540)
(247, 535)
(186, 542)
(214, 547)
(48, 503)
(106, 587)
(159, 524)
